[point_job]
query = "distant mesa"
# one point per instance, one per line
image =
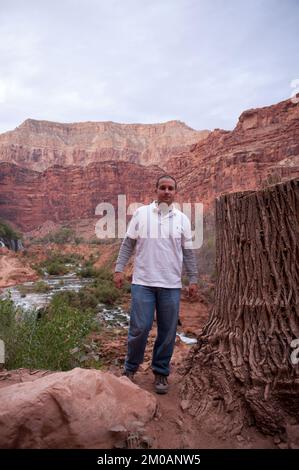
(38, 145)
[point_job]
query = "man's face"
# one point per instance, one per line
(166, 191)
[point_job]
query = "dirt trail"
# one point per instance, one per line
(175, 428)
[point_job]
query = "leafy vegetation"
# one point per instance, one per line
(55, 264)
(60, 236)
(39, 287)
(105, 292)
(102, 241)
(6, 231)
(57, 337)
(102, 288)
(88, 270)
(48, 342)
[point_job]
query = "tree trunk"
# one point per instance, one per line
(241, 371)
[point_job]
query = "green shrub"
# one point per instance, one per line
(126, 288)
(104, 274)
(71, 258)
(54, 256)
(82, 300)
(87, 271)
(38, 287)
(106, 293)
(55, 268)
(68, 297)
(55, 263)
(87, 297)
(41, 287)
(63, 235)
(102, 241)
(38, 269)
(6, 231)
(45, 343)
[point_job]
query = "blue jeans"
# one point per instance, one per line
(145, 300)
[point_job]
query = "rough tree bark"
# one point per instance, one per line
(241, 371)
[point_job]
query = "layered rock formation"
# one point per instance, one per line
(39, 145)
(65, 194)
(262, 149)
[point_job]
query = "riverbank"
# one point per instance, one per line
(14, 269)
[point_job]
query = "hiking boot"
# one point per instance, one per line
(129, 374)
(161, 384)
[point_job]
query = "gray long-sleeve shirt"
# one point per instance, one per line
(127, 248)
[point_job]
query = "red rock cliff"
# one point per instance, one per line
(39, 145)
(60, 194)
(263, 148)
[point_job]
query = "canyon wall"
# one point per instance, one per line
(262, 149)
(59, 186)
(29, 198)
(38, 145)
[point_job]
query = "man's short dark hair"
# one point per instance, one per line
(166, 177)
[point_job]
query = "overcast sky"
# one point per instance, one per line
(200, 61)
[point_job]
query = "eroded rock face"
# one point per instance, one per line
(65, 194)
(81, 408)
(262, 149)
(39, 145)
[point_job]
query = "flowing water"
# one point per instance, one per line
(36, 300)
(110, 316)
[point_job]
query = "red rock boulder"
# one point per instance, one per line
(81, 408)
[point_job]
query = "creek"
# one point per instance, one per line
(24, 296)
(109, 315)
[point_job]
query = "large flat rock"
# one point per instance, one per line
(81, 408)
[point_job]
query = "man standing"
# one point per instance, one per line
(163, 240)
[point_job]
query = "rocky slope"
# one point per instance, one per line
(39, 145)
(14, 270)
(262, 149)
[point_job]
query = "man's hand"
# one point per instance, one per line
(193, 291)
(118, 280)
